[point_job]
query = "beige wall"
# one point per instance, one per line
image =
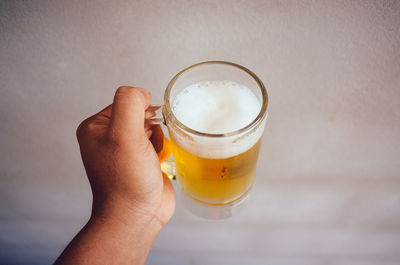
(328, 187)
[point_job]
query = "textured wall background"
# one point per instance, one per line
(328, 187)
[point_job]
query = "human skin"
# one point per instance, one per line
(132, 199)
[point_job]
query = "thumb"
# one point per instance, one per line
(128, 110)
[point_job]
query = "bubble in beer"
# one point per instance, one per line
(216, 106)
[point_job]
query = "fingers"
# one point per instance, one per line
(103, 117)
(161, 144)
(157, 138)
(151, 118)
(128, 110)
(105, 113)
(90, 125)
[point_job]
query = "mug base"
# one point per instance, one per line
(215, 212)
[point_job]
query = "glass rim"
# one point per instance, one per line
(260, 116)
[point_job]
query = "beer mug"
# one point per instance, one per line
(215, 113)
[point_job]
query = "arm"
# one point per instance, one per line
(132, 200)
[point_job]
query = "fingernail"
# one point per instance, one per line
(147, 126)
(149, 114)
(149, 133)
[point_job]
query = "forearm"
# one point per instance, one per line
(112, 240)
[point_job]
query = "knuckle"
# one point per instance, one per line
(85, 128)
(80, 131)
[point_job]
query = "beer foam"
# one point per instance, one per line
(217, 107)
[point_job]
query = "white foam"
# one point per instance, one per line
(217, 107)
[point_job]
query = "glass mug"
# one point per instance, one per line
(214, 171)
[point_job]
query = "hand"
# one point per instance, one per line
(121, 162)
(132, 199)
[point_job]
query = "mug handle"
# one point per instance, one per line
(167, 163)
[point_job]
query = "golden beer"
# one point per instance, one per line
(215, 181)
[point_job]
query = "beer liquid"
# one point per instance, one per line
(216, 107)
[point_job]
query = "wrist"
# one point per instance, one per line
(136, 226)
(120, 233)
(124, 213)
